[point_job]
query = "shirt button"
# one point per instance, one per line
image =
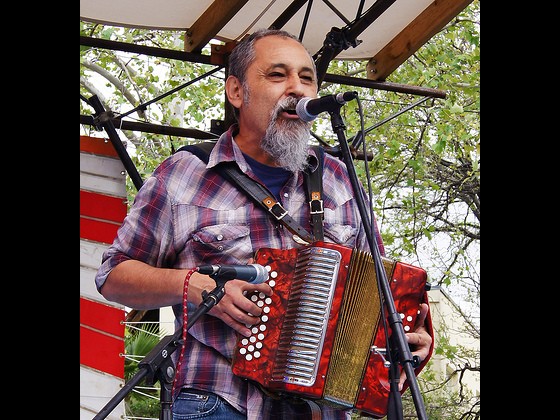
(285, 194)
(220, 248)
(220, 237)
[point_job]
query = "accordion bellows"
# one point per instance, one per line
(318, 332)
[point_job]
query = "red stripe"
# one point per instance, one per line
(97, 145)
(102, 206)
(101, 325)
(100, 316)
(102, 352)
(99, 231)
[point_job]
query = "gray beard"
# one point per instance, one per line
(287, 140)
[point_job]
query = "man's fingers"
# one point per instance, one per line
(421, 318)
(419, 340)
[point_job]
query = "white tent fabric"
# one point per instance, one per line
(182, 14)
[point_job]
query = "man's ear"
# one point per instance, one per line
(234, 91)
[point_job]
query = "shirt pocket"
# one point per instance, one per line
(341, 234)
(222, 244)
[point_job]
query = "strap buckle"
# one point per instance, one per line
(275, 208)
(316, 207)
(316, 204)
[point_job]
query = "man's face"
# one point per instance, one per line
(282, 68)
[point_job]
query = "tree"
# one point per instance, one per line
(424, 174)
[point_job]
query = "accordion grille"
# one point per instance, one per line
(305, 322)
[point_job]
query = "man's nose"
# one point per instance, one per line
(295, 87)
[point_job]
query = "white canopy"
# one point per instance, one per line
(386, 32)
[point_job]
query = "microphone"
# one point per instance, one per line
(308, 109)
(253, 273)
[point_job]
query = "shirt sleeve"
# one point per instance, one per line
(145, 234)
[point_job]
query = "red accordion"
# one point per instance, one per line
(320, 335)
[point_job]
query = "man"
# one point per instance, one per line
(186, 215)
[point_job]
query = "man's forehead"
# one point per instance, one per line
(278, 51)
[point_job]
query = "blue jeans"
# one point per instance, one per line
(196, 404)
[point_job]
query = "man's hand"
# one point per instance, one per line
(419, 340)
(235, 309)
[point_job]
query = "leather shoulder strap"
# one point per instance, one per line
(261, 196)
(253, 189)
(314, 190)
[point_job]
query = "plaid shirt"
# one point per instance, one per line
(185, 216)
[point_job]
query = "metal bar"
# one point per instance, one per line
(190, 82)
(142, 49)
(153, 128)
(104, 119)
(287, 14)
(388, 86)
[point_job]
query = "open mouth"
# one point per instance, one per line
(290, 111)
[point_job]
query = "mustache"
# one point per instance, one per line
(286, 104)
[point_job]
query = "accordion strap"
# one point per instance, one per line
(260, 195)
(314, 190)
(313, 181)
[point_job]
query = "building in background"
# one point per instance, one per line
(452, 326)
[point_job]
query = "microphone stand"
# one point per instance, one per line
(157, 365)
(401, 350)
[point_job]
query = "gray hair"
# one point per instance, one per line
(243, 55)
